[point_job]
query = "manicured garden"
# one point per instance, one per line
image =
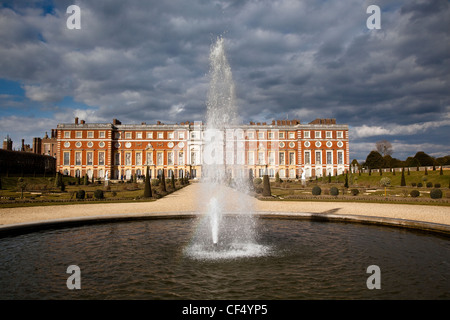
(430, 187)
(28, 191)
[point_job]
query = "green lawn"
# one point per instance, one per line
(369, 188)
(42, 191)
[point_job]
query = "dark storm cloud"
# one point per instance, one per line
(148, 60)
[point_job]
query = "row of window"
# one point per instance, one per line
(196, 135)
(329, 157)
(179, 160)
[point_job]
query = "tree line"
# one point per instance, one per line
(382, 158)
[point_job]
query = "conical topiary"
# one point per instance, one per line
(346, 181)
(266, 186)
(403, 181)
(163, 182)
(147, 186)
(172, 180)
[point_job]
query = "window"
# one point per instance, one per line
(90, 134)
(270, 135)
(101, 134)
(340, 155)
(170, 158)
(89, 158)
(261, 157)
(138, 158)
(117, 159)
(101, 158)
(180, 158)
(78, 134)
(128, 158)
(291, 135)
(66, 158)
(159, 158)
(193, 157)
(127, 135)
(138, 135)
(194, 135)
(170, 135)
(339, 134)
(306, 134)
(271, 158)
(149, 135)
(329, 134)
(291, 158)
(67, 134)
(180, 135)
(251, 158)
(329, 157)
(307, 157)
(78, 158)
(149, 158)
(281, 135)
(281, 158)
(260, 135)
(317, 134)
(160, 135)
(318, 157)
(117, 135)
(250, 135)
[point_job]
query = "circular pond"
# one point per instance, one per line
(296, 259)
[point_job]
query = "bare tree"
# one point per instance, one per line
(384, 147)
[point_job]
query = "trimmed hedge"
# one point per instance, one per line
(316, 191)
(414, 193)
(98, 194)
(355, 192)
(436, 194)
(334, 191)
(81, 194)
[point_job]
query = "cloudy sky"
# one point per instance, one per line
(291, 59)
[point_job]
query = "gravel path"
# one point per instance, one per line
(189, 198)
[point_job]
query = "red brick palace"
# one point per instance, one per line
(118, 151)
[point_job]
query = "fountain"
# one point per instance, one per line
(221, 255)
(217, 237)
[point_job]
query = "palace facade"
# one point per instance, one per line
(118, 151)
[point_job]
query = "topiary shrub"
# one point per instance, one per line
(437, 185)
(355, 192)
(429, 184)
(334, 191)
(81, 194)
(436, 194)
(414, 193)
(420, 185)
(316, 191)
(266, 186)
(155, 182)
(413, 184)
(98, 194)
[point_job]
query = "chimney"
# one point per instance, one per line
(273, 122)
(23, 145)
(83, 122)
(76, 120)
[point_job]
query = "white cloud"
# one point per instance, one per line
(365, 131)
